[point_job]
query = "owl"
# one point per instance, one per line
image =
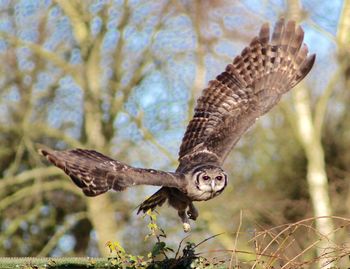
(248, 88)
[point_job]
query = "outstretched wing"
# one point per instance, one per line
(96, 173)
(248, 88)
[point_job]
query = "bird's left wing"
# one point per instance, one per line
(96, 173)
(250, 87)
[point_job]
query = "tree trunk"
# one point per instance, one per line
(101, 213)
(316, 171)
(316, 174)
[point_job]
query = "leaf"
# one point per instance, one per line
(158, 248)
(152, 226)
(169, 249)
(118, 247)
(133, 258)
(110, 246)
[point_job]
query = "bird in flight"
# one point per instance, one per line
(248, 88)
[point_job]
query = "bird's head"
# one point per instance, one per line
(209, 181)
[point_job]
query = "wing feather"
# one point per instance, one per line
(247, 89)
(96, 173)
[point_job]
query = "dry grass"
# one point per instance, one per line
(288, 246)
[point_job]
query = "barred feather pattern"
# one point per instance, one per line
(157, 199)
(247, 89)
(96, 173)
(90, 170)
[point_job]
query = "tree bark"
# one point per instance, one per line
(316, 171)
(100, 211)
(316, 175)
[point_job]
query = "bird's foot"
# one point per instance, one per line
(192, 212)
(187, 227)
(192, 215)
(185, 221)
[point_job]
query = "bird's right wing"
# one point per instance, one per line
(96, 173)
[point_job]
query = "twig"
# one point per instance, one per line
(236, 241)
(207, 239)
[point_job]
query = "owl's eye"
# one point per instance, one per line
(206, 178)
(219, 178)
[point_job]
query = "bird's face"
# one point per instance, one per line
(209, 181)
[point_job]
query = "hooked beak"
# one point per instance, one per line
(212, 188)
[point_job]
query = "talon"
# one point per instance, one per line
(191, 216)
(192, 212)
(187, 227)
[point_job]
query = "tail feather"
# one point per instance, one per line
(157, 199)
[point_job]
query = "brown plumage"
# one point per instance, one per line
(96, 173)
(246, 90)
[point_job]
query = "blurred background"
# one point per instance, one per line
(122, 77)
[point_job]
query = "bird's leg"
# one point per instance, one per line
(185, 222)
(192, 211)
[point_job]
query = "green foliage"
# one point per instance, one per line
(157, 258)
(160, 247)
